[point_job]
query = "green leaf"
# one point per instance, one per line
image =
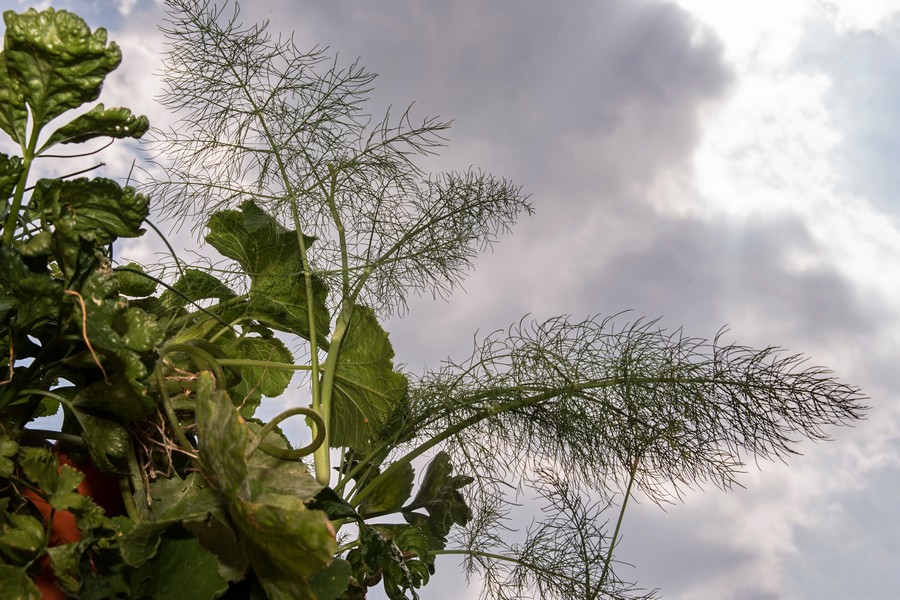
(15, 584)
(131, 283)
(37, 295)
(390, 495)
(330, 582)
(115, 396)
(439, 493)
(65, 559)
(223, 439)
(258, 381)
(13, 112)
(286, 542)
(367, 390)
(194, 285)
(333, 505)
(107, 441)
(10, 172)
(100, 208)
(21, 537)
(142, 331)
(270, 255)
(180, 565)
(8, 449)
(99, 122)
(56, 59)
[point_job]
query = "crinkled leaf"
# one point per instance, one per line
(180, 566)
(377, 558)
(59, 63)
(390, 495)
(367, 390)
(8, 449)
(37, 295)
(15, 584)
(330, 582)
(132, 283)
(270, 255)
(142, 330)
(100, 209)
(194, 285)
(13, 112)
(99, 122)
(107, 441)
(114, 396)
(10, 171)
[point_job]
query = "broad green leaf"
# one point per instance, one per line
(258, 381)
(390, 495)
(131, 283)
(15, 584)
(100, 208)
(330, 582)
(40, 467)
(334, 506)
(287, 543)
(181, 566)
(114, 396)
(10, 172)
(223, 439)
(367, 390)
(8, 449)
(270, 255)
(56, 59)
(194, 285)
(99, 122)
(13, 112)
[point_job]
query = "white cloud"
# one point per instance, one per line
(859, 15)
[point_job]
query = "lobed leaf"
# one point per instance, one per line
(99, 122)
(366, 388)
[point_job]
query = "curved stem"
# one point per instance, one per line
(283, 453)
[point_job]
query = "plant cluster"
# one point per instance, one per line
(163, 478)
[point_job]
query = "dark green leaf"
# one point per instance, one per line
(114, 396)
(100, 209)
(181, 565)
(107, 441)
(56, 59)
(366, 388)
(334, 506)
(439, 494)
(389, 496)
(10, 169)
(194, 285)
(270, 255)
(8, 449)
(64, 560)
(132, 283)
(330, 582)
(99, 122)
(141, 332)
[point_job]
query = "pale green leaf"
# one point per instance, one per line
(15, 584)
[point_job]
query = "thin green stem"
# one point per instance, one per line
(612, 543)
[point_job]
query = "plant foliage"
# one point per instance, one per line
(162, 476)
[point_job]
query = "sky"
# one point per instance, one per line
(708, 162)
